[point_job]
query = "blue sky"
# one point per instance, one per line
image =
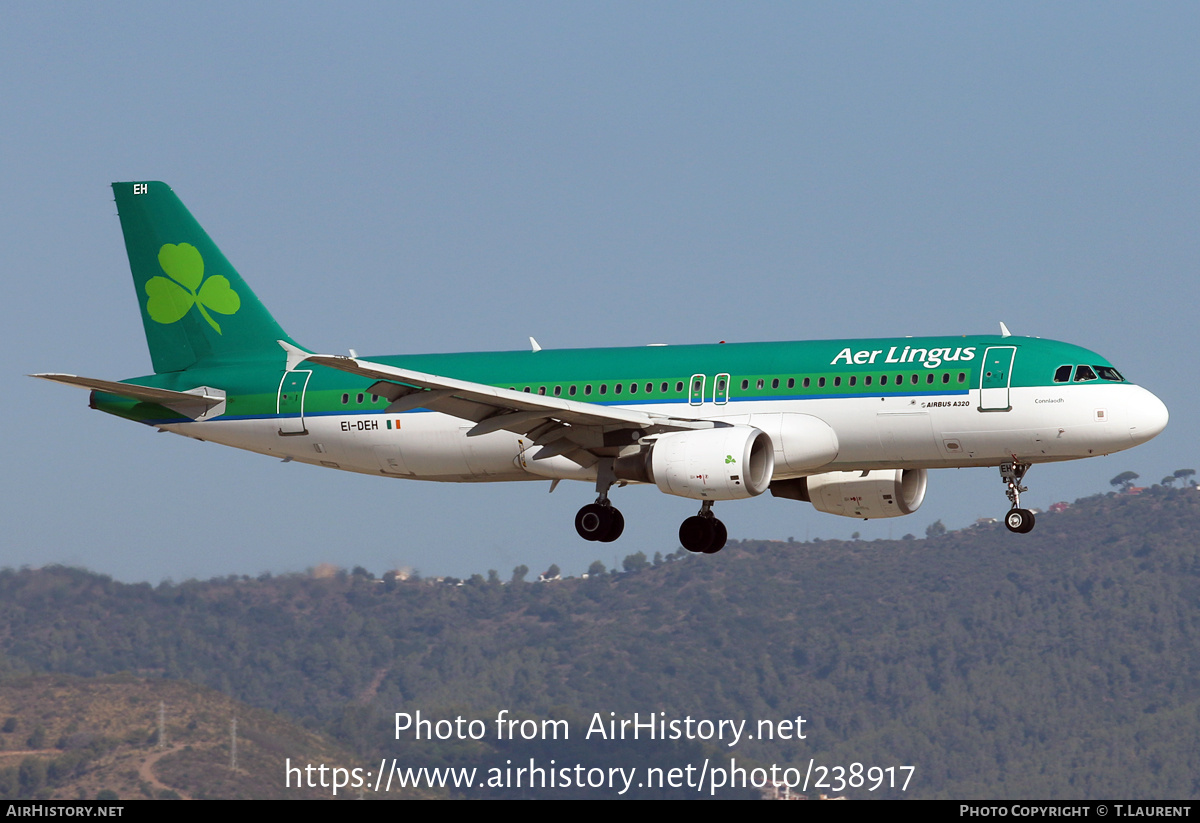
(456, 177)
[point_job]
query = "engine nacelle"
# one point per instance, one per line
(879, 493)
(728, 463)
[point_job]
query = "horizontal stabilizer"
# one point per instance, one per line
(201, 403)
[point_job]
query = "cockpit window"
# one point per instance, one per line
(1084, 373)
(1062, 374)
(1109, 373)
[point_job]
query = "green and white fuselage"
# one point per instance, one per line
(928, 414)
(711, 422)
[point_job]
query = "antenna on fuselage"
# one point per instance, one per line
(534, 344)
(1004, 332)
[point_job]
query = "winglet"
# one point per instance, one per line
(295, 354)
(1004, 332)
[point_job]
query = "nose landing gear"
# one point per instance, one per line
(1017, 520)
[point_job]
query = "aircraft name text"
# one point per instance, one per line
(929, 358)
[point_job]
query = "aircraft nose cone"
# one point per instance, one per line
(1147, 417)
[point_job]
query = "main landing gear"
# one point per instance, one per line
(704, 532)
(601, 521)
(1017, 520)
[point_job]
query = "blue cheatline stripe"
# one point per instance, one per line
(683, 407)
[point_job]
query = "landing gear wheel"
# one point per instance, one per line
(696, 533)
(615, 527)
(600, 523)
(1019, 521)
(705, 535)
(720, 536)
(592, 521)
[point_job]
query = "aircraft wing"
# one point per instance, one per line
(559, 425)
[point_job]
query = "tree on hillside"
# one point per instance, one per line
(635, 562)
(1124, 480)
(519, 573)
(1185, 475)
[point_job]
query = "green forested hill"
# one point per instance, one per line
(1063, 663)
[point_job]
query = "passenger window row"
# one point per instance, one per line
(760, 384)
(867, 380)
(618, 388)
(1062, 375)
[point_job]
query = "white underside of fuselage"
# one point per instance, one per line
(1040, 425)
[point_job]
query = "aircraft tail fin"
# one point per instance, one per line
(195, 307)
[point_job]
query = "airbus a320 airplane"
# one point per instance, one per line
(850, 426)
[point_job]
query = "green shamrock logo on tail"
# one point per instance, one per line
(171, 299)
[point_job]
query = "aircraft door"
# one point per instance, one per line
(995, 378)
(696, 395)
(721, 389)
(290, 405)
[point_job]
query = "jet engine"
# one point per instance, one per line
(878, 493)
(726, 463)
